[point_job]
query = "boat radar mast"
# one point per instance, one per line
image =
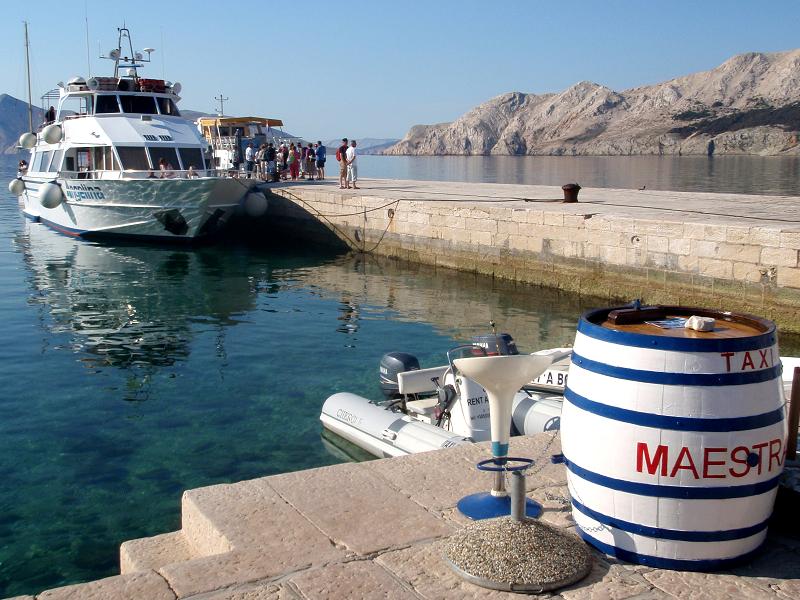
(128, 60)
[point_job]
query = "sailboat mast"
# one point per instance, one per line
(28, 71)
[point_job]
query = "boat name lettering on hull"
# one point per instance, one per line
(83, 192)
(347, 417)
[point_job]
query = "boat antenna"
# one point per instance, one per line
(86, 19)
(163, 56)
(221, 108)
(129, 59)
(28, 71)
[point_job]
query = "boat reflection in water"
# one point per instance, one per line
(128, 305)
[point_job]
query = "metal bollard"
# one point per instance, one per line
(518, 496)
(571, 192)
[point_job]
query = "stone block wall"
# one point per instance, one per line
(732, 267)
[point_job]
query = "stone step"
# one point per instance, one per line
(154, 552)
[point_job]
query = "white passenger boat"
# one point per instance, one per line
(428, 409)
(95, 169)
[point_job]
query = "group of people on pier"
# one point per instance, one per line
(287, 161)
(290, 161)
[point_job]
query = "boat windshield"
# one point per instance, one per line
(143, 105)
(106, 103)
(167, 107)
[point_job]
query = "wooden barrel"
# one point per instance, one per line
(674, 439)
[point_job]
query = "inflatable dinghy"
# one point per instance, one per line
(429, 409)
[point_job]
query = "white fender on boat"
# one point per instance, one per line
(255, 204)
(50, 195)
(52, 134)
(27, 140)
(536, 412)
(16, 186)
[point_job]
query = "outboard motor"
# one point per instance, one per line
(494, 344)
(392, 364)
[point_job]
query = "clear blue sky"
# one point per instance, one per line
(360, 68)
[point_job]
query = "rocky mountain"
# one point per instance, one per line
(14, 121)
(748, 105)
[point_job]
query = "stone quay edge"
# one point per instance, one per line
(726, 251)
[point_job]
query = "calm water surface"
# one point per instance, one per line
(772, 175)
(129, 374)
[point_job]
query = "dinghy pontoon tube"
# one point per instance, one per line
(429, 409)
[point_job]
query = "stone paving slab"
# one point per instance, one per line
(354, 580)
(212, 573)
(268, 591)
(613, 582)
(356, 509)
(134, 586)
(424, 570)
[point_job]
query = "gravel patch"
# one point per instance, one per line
(505, 554)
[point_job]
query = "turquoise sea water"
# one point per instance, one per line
(129, 374)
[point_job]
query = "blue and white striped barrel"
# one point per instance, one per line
(674, 445)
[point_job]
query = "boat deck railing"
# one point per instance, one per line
(142, 174)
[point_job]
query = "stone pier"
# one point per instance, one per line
(728, 251)
(375, 530)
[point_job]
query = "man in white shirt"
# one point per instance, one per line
(249, 159)
(352, 167)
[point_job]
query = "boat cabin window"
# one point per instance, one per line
(55, 164)
(133, 158)
(104, 159)
(191, 157)
(167, 107)
(157, 153)
(74, 105)
(144, 105)
(106, 103)
(36, 162)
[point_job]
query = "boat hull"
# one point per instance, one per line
(163, 209)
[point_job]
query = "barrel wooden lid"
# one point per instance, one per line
(655, 321)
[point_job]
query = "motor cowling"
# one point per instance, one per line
(392, 364)
(502, 344)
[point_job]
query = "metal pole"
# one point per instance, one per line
(499, 488)
(518, 496)
(28, 71)
(88, 58)
(794, 415)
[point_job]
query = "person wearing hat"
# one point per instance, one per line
(341, 156)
